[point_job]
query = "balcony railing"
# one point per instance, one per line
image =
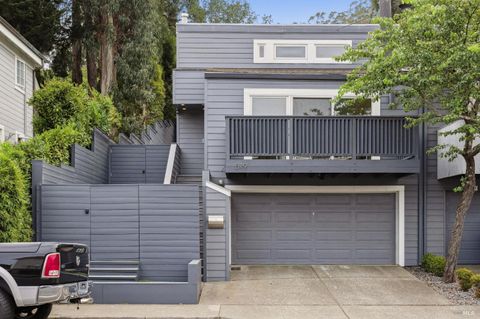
(321, 144)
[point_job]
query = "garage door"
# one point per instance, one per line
(470, 247)
(313, 229)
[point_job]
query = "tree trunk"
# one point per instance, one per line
(77, 35)
(106, 53)
(90, 44)
(463, 206)
(92, 68)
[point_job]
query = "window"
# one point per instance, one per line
(269, 105)
(354, 107)
(261, 50)
(20, 74)
(291, 51)
(304, 102)
(312, 106)
(299, 51)
(329, 51)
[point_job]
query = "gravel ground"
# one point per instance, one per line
(451, 291)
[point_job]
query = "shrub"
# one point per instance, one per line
(102, 114)
(56, 104)
(476, 283)
(433, 264)
(60, 103)
(58, 141)
(15, 218)
(464, 277)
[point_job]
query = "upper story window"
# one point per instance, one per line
(290, 51)
(299, 51)
(304, 102)
(20, 71)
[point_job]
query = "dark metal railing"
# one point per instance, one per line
(352, 137)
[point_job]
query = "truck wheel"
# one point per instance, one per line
(7, 306)
(40, 312)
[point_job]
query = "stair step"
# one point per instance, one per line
(114, 269)
(189, 179)
(116, 277)
(114, 262)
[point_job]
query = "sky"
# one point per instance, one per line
(290, 11)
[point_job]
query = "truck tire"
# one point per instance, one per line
(7, 306)
(40, 312)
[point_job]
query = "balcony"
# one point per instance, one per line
(340, 144)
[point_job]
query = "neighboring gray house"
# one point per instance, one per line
(296, 179)
(18, 61)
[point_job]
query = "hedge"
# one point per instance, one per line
(15, 218)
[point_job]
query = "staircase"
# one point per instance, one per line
(189, 179)
(114, 270)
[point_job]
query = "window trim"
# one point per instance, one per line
(19, 87)
(289, 94)
(2, 133)
(310, 52)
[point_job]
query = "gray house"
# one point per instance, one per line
(294, 178)
(18, 61)
(263, 169)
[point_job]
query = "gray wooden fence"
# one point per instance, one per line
(138, 164)
(157, 225)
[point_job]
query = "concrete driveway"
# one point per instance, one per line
(328, 292)
(297, 292)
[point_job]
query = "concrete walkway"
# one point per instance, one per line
(304, 292)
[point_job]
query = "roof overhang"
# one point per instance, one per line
(279, 74)
(20, 42)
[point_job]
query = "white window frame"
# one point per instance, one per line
(290, 94)
(18, 86)
(310, 52)
(2, 133)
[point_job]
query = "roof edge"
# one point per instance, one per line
(276, 28)
(18, 40)
(278, 76)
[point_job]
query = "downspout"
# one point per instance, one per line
(25, 108)
(422, 191)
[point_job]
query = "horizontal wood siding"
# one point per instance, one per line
(156, 163)
(15, 113)
(155, 224)
(435, 202)
(169, 231)
(138, 164)
(217, 239)
(62, 213)
(114, 222)
(190, 140)
(231, 46)
(188, 87)
(88, 166)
